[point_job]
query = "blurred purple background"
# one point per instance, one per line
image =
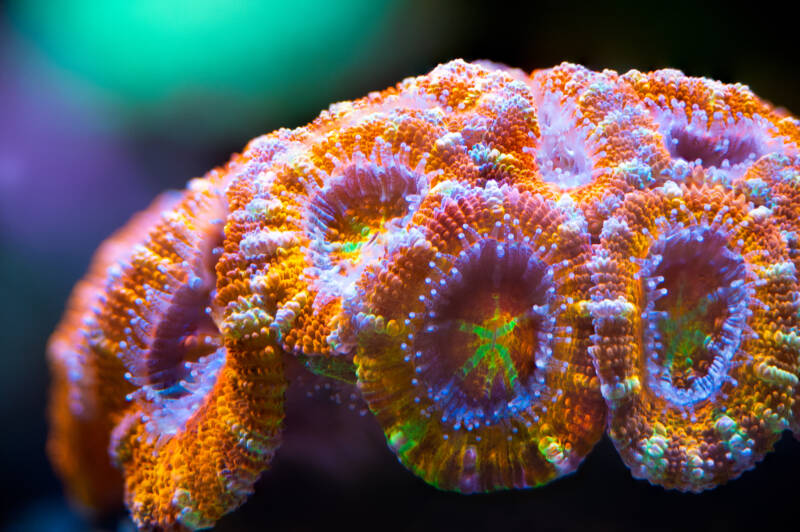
(105, 104)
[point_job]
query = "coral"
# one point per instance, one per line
(506, 264)
(470, 352)
(88, 389)
(189, 416)
(693, 296)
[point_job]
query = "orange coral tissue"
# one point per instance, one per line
(513, 264)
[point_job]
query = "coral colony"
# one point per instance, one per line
(508, 264)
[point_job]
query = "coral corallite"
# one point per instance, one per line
(509, 264)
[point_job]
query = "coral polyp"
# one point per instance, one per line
(506, 265)
(88, 389)
(692, 290)
(470, 352)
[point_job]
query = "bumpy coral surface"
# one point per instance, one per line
(508, 264)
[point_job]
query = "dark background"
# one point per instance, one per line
(103, 105)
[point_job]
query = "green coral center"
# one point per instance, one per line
(685, 334)
(491, 346)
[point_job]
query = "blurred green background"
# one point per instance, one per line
(103, 104)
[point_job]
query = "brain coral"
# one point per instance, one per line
(508, 264)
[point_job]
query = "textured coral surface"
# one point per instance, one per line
(508, 265)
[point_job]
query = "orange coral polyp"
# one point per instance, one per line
(88, 390)
(467, 350)
(503, 256)
(691, 289)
